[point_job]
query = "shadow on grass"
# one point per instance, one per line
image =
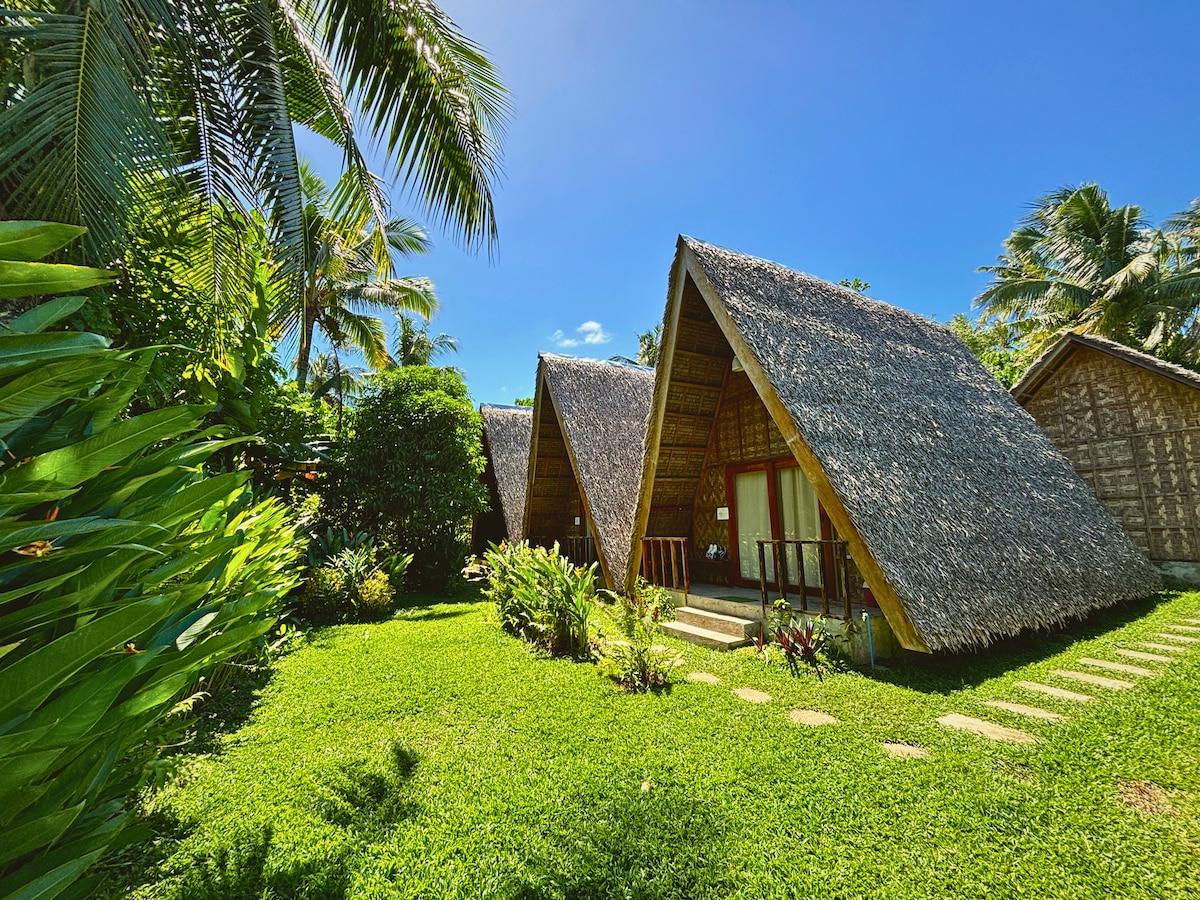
(367, 798)
(947, 672)
(637, 844)
(363, 800)
(251, 870)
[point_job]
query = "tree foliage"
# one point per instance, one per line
(995, 343)
(1077, 263)
(411, 471)
(649, 344)
(415, 346)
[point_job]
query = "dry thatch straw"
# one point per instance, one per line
(966, 521)
(588, 435)
(1056, 353)
(506, 434)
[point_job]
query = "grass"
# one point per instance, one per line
(433, 756)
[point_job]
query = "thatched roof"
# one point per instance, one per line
(966, 521)
(600, 411)
(506, 433)
(1043, 367)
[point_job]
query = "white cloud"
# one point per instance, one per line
(593, 333)
(589, 332)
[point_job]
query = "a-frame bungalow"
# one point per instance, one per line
(809, 442)
(506, 434)
(589, 428)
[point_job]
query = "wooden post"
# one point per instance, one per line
(762, 575)
(803, 575)
(824, 583)
(778, 571)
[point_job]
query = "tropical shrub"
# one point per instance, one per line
(636, 661)
(353, 586)
(125, 576)
(800, 641)
(542, 597)
(410, 474)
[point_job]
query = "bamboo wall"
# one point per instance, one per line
(1134, 437)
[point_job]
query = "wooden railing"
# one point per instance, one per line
(832, 573)
(579, 549)
(665, 562)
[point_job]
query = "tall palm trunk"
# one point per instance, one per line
(306, 337)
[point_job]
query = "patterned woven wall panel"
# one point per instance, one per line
(673, 493)
(693, 399)
(691, 369)
(685, 431)
(1134, 436)
(677, 462)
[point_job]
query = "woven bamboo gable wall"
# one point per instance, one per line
(1134, 437)
(555, 501)
(698, 372)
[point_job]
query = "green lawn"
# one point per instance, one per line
(433, 756)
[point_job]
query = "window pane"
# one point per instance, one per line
(753, 521)
(801, 519)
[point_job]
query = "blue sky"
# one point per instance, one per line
(894, 142)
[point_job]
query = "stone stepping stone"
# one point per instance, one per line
(810, 717)
(1022, 710)
(1183, 639)
(702, 678)
(1168, 648)
(1115, 684)
(1056, 692)
(1124, 668)
(1188, 628)
(904, 751)
(987, 729)
(750, 695)
(1138, 654)
(1192, 621)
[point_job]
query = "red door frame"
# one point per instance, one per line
(771, 467)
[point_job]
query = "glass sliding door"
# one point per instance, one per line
(799, 520)
(752, 504)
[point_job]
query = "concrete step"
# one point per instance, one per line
(715, 621)
(703, 637)
(741, 609)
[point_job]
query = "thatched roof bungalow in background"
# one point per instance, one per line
(506, 434)
(1130, 425)
(589, 427)
(963, 520)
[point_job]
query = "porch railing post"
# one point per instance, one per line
(778, 571)
(762, 575)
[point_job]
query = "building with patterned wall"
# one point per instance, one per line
(1130, 425)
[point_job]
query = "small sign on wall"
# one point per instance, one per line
(722, 513)
(577, 520)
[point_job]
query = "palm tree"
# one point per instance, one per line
(104, 103)
(1076, 263)
(351, 275)
(414, 346)
(649, 344)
